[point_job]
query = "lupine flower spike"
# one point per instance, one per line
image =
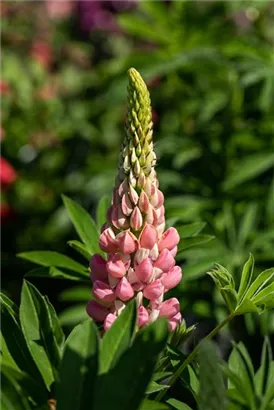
(140, 253)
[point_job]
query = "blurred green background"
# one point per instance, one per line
(209, 66)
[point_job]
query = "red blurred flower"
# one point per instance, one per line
(8, 174)
(42, 53)
(4, 87)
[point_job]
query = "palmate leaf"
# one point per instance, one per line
(252, 295)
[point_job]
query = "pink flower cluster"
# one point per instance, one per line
(140, 253)
(142, 267)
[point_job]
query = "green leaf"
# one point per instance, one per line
(50, 258)
(128, 380)
(31, 387)
(248, 168)
(84, 225)
(178, 405)
(247, 224)
(118, 338)
(78, 371)
(212, 388)
(80, 248)
(186, 231)
(262, 374)
(15, 345)
(154, 387)
(196, 240)
(240, 364)
(246, 278)
(152, 405)
(269, 391)
(76, 294)
(12, 395)
(55, 325)
(192, 272)
(36, 322)
(260, 282)
(73, 315)
(53, 272)
(101, 211)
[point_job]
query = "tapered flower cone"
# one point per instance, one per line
(140, 260)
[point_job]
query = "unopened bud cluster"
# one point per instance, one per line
(140, 253)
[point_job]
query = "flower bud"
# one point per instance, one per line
(169, 239)
(174, 321)
(148, 237)
(169, 308)
(126, 204)
(124, 290)
(97, 266)
(136, 219)
(142, 316)
(103, 291)
(143, 202)
(165, 261)
(144, 270)
(96, 311)
(127, 242)
(107, 241)
(154, 290)
(172, 278)
(115, 266)
(133, 195)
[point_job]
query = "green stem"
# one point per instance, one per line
(191, 356)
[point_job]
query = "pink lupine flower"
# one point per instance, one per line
(103, 291)
(96, 311)
(140, 260)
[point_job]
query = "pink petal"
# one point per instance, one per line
(127, 242)
(103, 291)
(165, 261)
(144, 270)
(107, 241)
(115, 266)
(143, 202)
(124, 290)
(154, 290)
(97, 266)
(148, 237)
(136, 219)
(169, 239)
(169, 308)
(96, 311)
(172, 278)
(142, 318)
